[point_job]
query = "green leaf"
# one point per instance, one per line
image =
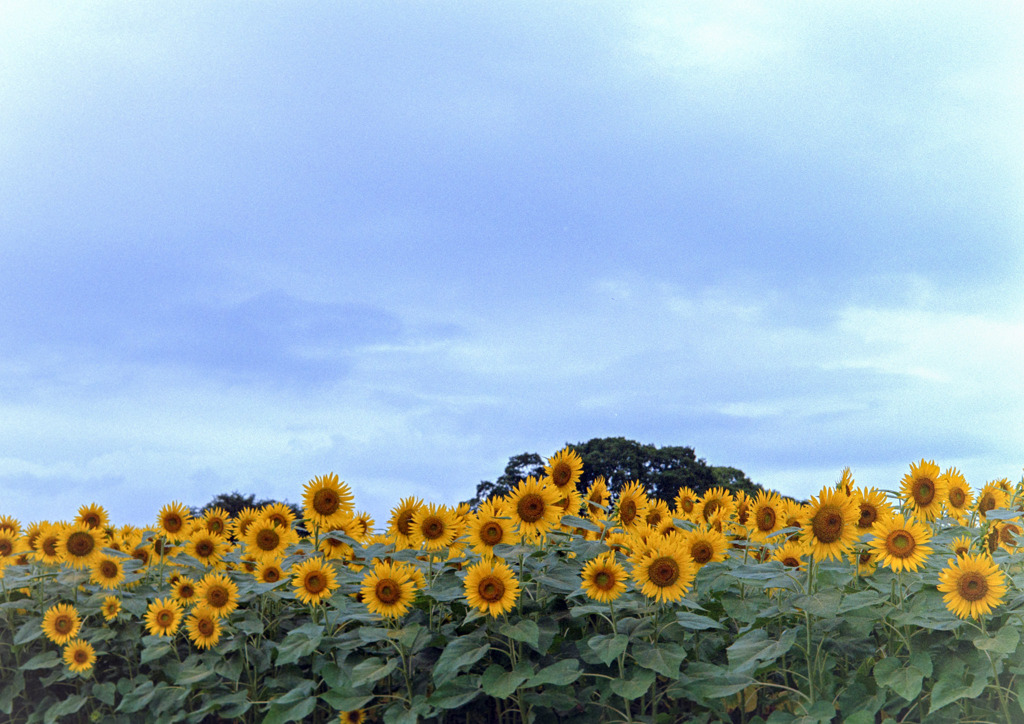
(299, 643)
(577, 522)
(136, 699)
(279, 713)
(105, 693)
(954, 682)
(1002, 514)
(525, 631)
(14, 690)
(45, 660)
(824, 604)
(373, 670)
(455, 693)
(696, 622)
(461, 653)
(398, 714)
(154, 651)
(29, 631)
(188, 675)
(250, 625)
(715, 682)
(608, 647)
(635, 685)
(501, 684)
(561, 673)
(664, 658)
(903, 677)
(754, 649)
(859, 600)
(1004, 642)
(346, 701)
(64, 708)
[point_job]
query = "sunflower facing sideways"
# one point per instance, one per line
(389, 589)
(872, 506)
(533, 507)
(991, 497)
(604, 579)
(399, 528)
(61, 623)
(491, 587)
(163, 617)
(717, 504)
(924, 489)
(972, 584)
(901, 543)
(665, 572)
(313, 580)
(563, 470)
(327, 501)
(765, 516)
(79, 656)
(353, 716)
(704, 545)
(686, 503)
(830, 524)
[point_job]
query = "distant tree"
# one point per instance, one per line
(735, 479)
(233, 503)
(519, 468)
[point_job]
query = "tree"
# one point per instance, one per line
(519, 468)
(234, 502)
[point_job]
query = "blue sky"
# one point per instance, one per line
(243, 244)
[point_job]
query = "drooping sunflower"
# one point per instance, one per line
(632, 506)
(717, 504)
(491, 587)
(791, 554)
(61, 623)
(686, 503)
(433, 527)
(79, 656)
(765, 516)
(742, 510)
(846, 482)
(924, 490)
(830, 524)
(973, 585)
(327, 500)
(268, 572)
(79, 546)
(604, 579)
(569, 501)
(92, 516)
(110, 608)
(163, 617)
(389, 589)
(362, 526)
(657, 511)
(991, 497)
(353, 716)
(961, 545)
(400, 524)
(266, 539)
(313, 580)
(206, 547)
(217, 521)
(174, 521)
(901, 543)
(218, 592)
(333, 545)
(704, 545)
(107, 572)
(598, 499)
(563, 469)
(203, 627)
(279, 514)
(664, 573)
(872, 506)
(532, 505)
(959, 496)
(491, 526)
(866, 561)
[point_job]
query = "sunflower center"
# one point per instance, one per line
(271, 575)
(1007, 533)
(710, 508)
(743, 514)
(531, 508)
(49, 546)
(160, 546)
(315, 582)
(186, 591)
(205, 626)
(204, 548)
(972, 586)
(766, 519)
(957, 498)
(80, 544)
(491, 589)
(217, 596)
(141, 554)
(6, 548)
(663, 571)
(653, 517)
(173, 523)
(627, 511)
(987, 503)
(387, 591)
(404, 521)
(491, 533)
(686, 505)
(92, 520)
(432, 528)
(108, 569)
(63, 624)
(864, 558)
(81, 656)
(900, 544)
(604, 580)
(962, 551)
(868, 516)
(561, 475)
(702, 552)
(326, 501)
(791, 562)
(268, 539)
(165, 618)
(827, 524)
(924, 491)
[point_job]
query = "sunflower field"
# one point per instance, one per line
(547, 605)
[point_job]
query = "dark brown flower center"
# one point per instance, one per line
(868, 515)
(791, 562)
(972, 586)
(924, 491)
(108, 569)
(491, 589)
(205, 626)
(215, 525)
(663, 571)
(49, 546)
(987, 503)
(173, 523)
(432, 528)
(185, 590)
(141, 554)
(205, 548)
(561, 474)
(165, 618)
(388, 591)
(271, 575)
(80, 544)
(605, 580)
(492, 533)
(217, 596)
(268, 539)
(91, 520)
(710, 508)
(687, 504)
(957, 498)
(900, 544)
(6, 547)
(765, 519)
(530, 508)
(314, 582)
(326, 501)
(827, 524)
(81, 656)
(64, 624)
(404, 521)
(627, 511)
(701, 552)
(653, 517)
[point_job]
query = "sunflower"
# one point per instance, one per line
(866, 561)
(10, 524)
(563, 469)
(314, 580)
(598, 499)
(830, 524)
(901, 543)
(218, 592)
(203, 627)
(704, 545)
(765, 516)
(61, 623)
(353, 716)
(266, 539)
(163, 616)
(242, 520)
(399, 526)
(333, 546)
(268, 572)
(532, 505)
(217, 521)
(685, 503)
(79, 655)
(491, 526)
(107, 572)
(491, 587)
(1003, 534)
(961, 545)
(973, 585)
(206, 547)
(389, 589)
(279, 514)
(872, 505)
(110, 608)
(664, 573)
(433, 527)
(742, 510)
(991, 497)
(184, 590)
(632, 505)
(924, 489)
(790, 554)
(326, 501)
(12, 545)
(959, 496)
(715, 504)
(362, 526)
(570, 501)
(604, 579)
(173, 521)
(92, 516)
(79, 546)
(657, 511)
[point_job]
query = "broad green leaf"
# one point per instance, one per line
(860, 600)
(229, 667)
(250, 625)
(635, 685)
(372, 670)
(954, 682)
(64, 708)
(501, 684)
(45, 660)
(1004, 642)
(715, 682)
(29, 631)
(280, 713)
(135, 700)
(1002, 514)
(903, 677)
(561, 673)
(461, 653)
(455, 693)
(664, 658)
(346, 702)
(824, 604)
(187, 676)
(525, 631)
(577, 522)
(608, 647)
(105, 693)
(696, 622)
(154, 651)
(13, 690)
(754, 649)
(398, 714)
(299, 644)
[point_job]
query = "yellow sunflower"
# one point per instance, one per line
(901, 543)
(10, 524)
(866, 561)
(491, 587)
(742, 511)
(12, 545)
(217, 521)
(569, 501)
(279, 514)
(269, 572)
(218, 592)
(266, 539)
(491, 526)
(765, 516)
(632, 505)
(79, 655)
(1006, 534)
(991, 497)
(433, 527)
(173, 521)
(598, 499)
(313, 580)
(973, 585)
(872, 506)
(961, 545)
(790, 554)
(686, 503)
(80, 546)
(110, 608)
(830, 524)
(563, 469)
(924, 490)
(206, 547)
(533, 507)
(184, 590)
(92, 516)
(326, 501)
(716, 504)
(333, 546)
(203, 627)
(959, 496)
(657, 511)
(400, 524)
(61, 623)
(664, 573)
(389, 589)
(353, 716)
(242, 520)
(107, 572)
(163, 617)
(604, 579)
(704, 545)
